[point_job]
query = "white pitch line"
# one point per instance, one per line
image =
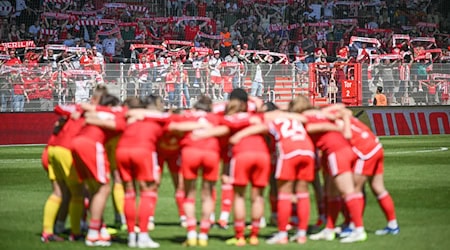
(12, 161)
(417, 151)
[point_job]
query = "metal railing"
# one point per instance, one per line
(40, 87)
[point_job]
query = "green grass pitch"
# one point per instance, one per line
(417, 174)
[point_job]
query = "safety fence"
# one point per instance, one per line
(41, 86)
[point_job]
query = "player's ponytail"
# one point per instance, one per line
(235, 106)
(204, 103)
(299, 104)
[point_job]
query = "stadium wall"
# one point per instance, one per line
(35, 128)
(26, 128)
(393, 121)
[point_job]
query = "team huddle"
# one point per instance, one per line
(240, 142)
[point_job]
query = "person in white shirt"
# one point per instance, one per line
(216, 78)
(257, 78)
(82, 90)
(109, 45)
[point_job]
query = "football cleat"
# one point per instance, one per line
(236, 242)
(345, 232)
(202, 242)
(253, 240)
(147, 243)
(190, 242)
(325, 234)
(388, 230)
(278, 239)
(50, 238)
(355, 236)
(92, 242)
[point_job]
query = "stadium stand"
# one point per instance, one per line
(332, 51)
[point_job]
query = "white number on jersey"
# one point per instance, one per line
(291, 129)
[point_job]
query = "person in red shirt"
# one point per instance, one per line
(137, 162)
(19, 94)
(296, 158)
(86, 60)
(201, 8)
(171, 80)
(225, 154)
(45, 95)
(195, 155)
(370, 166)
(338, 158)
(61, 171)
(31, 87)
(250, 163)
(13, 60)
(91, 161)
(191, 30)
(168, 150)
(342, 51)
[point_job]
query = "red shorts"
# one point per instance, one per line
(192, 159)
(299, 167)
(225, 154)
(137, 164)
(372, 166)
(216, 79)
(90, 159)
(172, 158)
(44, 158)
(340, 161)
(253, 167)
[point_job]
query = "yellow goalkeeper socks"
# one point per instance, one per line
(50, 212)
(119, 202)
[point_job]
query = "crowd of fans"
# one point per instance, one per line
(204, 35)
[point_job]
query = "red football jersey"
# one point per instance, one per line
(328, 142)
(291, 137)
(200, 116)
(103, 135)
(365, 143)
(144, 134)
(253, 143)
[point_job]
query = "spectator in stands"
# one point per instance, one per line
(197, 64)
(34, 30)
(23, 13)
(257, 77)
(227, 41)
(372, 24)
(269, 71)
(380, 99)
(88, 6)
(216, 79)
(191, 30)
(70, 40)
(23, 33)
(46, 95)
(386, 71)
(13, 59)
(308, 46)
(19, 95)
(233, 72)
(171, 80)
(13, 35)
(5, 92)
